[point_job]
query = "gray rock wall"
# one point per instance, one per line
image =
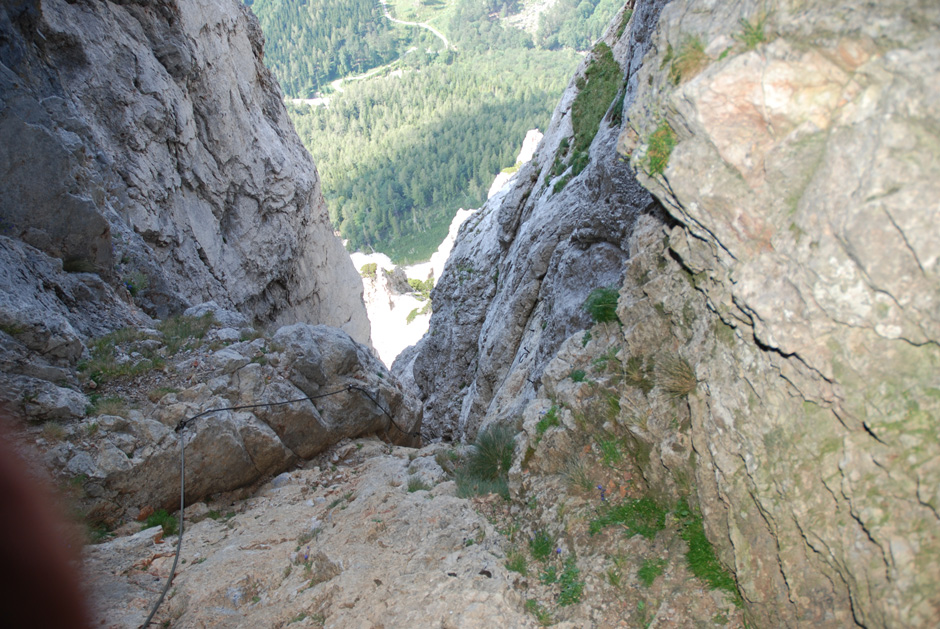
(522, 266)
(793, 274)
(805, 180)
(148, 143)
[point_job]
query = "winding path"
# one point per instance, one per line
(418, 24)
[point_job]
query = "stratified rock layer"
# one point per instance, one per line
(148, 143)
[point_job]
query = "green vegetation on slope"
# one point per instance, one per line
(419, 143)
(400, 151)
(575, 23)
(309, 43)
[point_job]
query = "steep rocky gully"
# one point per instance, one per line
(740, 429)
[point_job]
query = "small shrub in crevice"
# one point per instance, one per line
(601, 304)
(578, 375)
(421, 289)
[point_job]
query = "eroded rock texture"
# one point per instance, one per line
(126, 459)
(523, 265)
(778, 360)
(805, 177)
(147, 142)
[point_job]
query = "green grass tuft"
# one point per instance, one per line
(572, 587)
(596, 91)
(689, 61)
(650, 569)
(492, 455)
(611, 453)
(549, 419)
(164, 519)
(577, 477)
(180, 331)
(542, 616)
(578, 375)
(752, 33)
(416, 484)
(675, 377)
(516, 562)
(486, 470)
(660, 145)
(701, 558)
(636, 374)
(541, 545)
(642, 516)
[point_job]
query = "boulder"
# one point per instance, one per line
(243, 419)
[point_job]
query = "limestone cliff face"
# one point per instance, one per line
(778, 358)
(148, 143)
(523, 265)
(805, 177)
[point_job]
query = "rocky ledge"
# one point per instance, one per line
(144, 386)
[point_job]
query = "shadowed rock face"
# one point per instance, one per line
(523, 265)
(148, 143)
(794, 273)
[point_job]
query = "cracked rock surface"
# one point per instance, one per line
(341, 544)
(804, 178)
(147, 142)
